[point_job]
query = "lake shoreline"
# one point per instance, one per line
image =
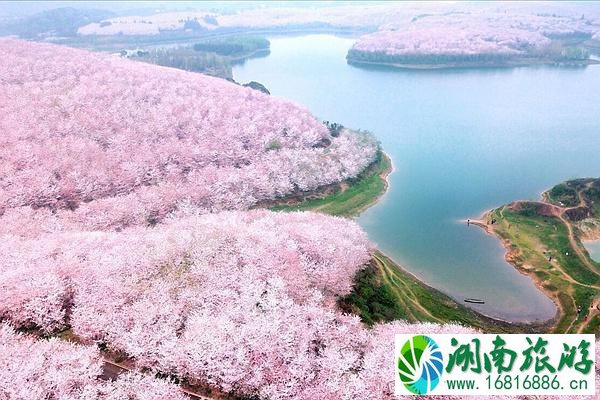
(511, 256)
(543, 240)
(384, 176)
(473, 65)
(479, 320)
(112, 43)
(432, 305)
(348, 198)
(590, 245)
(415, 121)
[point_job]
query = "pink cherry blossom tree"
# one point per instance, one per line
(33, 369)
(469, 36)
(92, 141)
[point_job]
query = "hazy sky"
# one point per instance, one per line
(23, 8)
(12, 9)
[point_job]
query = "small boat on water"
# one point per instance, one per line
(475, 301)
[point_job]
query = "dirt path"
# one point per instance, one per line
(389, 280)
(573, 242)
(575, 324)
(111, 370)
(489, 229)
(409, 295)
(571, 279)
(595, 311)
(574, 320)
(559, 212)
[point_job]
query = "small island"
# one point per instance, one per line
(476, 40)
(543, 240)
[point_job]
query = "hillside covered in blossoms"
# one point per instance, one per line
(41, 369)
(113, 176)
(96, 141)
(359, 16)
(346, 16)
(244, 302)
(141, 256)
(486, 38)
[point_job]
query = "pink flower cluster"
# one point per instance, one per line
(244, 301)
(99, 142)
(41, 277)
(146, 25)
(109, 172)
(54, 369)
(470, 34)
(344, 16)
(549, 17)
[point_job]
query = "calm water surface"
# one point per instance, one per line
(462, 142)
(593, 247)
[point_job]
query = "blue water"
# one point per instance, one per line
(462, 142)
(593, 248)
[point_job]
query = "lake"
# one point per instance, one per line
(462, 142)
(593, 248)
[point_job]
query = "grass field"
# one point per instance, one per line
(543, 242)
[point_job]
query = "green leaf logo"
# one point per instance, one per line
(420, 364)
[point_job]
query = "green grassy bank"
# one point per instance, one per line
(351, 197)
(543, 240)
(384, 291)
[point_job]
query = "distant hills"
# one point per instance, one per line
(63, 21)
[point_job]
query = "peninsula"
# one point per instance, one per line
(543, 240)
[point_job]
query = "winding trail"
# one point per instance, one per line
(388, 275)
(566, 299)
(595, 311)
(573, 242)
(559, 212)
(570, 278)
(112, 369)
(574, 320)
